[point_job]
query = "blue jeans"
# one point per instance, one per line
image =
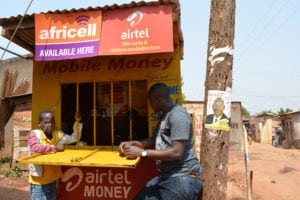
(43, 192)
(173, 188)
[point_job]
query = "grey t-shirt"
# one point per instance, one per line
(176, 125)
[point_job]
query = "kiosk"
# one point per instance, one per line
(100, 62)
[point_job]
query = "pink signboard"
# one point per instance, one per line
(137, 30)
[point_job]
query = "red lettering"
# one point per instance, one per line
(49, 69)
(72, 66)
(131, 64)
(234, 125)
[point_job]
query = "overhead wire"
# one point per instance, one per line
(268, 96)
(277, 29)
(254, 41)
(15, 31)
(261, 19)
(244, 53)
(270, 36)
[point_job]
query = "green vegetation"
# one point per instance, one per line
(4, 159)
(270, 112)
(283, 111)
(8, 171)
(245, 113)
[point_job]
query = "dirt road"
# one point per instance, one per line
(276, 176)
(276, 173)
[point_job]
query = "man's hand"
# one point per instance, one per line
(122, 147)
(131, 149)
(59, 147)
(132, 152)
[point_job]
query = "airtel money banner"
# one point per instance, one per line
(67, 35)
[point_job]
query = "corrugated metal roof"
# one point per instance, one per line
(3, 21)
(290, 113)
(24, 37)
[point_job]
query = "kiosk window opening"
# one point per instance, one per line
(111, 111)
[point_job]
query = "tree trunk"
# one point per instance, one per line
(214, 143)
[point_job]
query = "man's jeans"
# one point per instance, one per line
(173, 188)
(43, 192)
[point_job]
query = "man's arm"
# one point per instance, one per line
(175, 152)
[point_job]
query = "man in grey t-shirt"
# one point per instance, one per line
(172, 148)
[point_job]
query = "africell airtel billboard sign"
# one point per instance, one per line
(127, 31)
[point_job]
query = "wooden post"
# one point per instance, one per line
(247, 170)
(215, 141)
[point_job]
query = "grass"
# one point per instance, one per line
(7, 170)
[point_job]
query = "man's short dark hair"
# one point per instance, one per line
(160, 89)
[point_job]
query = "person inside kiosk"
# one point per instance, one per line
(172, 147)
(138, 125)
(111, 112)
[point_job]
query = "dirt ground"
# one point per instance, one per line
(14, 188)
(276, 175)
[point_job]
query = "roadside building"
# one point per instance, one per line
(291, 129)
(15, 134)
(266, 126)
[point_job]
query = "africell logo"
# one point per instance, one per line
(82, 19)
(135, 18)
(84, 29)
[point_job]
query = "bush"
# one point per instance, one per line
(5, 159)
(7, 170)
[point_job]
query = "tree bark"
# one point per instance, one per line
(214, 143)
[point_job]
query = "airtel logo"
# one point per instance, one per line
(75, 171)
(135, 18)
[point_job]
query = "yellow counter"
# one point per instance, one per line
(82, 157)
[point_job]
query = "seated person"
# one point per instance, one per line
(71, 139)
(139, 127)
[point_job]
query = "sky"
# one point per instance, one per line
(266, 68)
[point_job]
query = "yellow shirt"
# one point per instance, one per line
(50, 172)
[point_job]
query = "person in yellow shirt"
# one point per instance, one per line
(43, 178)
